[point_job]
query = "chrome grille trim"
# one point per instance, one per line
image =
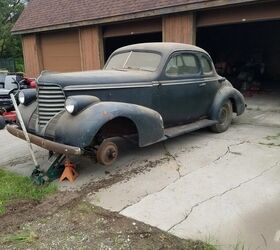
(51, 101)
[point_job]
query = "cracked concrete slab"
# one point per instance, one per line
(214, 169)
(182, 195)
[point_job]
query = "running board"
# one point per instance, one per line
(183, 129)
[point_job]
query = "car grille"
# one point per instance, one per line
(50, 102)
(5, 97)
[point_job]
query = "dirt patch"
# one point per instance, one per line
(122, 176)
(83, 226)
(21, 211)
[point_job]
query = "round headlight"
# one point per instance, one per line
(27, 96)
(76, 104)
(21, 97)
(70, 106)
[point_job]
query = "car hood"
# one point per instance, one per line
(96, 77)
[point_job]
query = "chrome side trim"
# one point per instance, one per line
(137, 85)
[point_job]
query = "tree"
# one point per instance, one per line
(10, 46)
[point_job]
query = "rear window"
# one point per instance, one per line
(182, 64)
(206, 65)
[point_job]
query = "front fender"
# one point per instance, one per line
(227, 93)
(80, 130)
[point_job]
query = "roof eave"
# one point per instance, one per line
(138, 15)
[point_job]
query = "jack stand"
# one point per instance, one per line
(69, 172)
(53, 172)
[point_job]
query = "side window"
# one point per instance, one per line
(182, 64)
(206, 65)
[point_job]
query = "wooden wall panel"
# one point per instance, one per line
(133, 28)
(91, 48)
(249, 13)
(61, 51)
(179, 28)
(31, 54)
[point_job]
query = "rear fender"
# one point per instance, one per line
(80, 130)
(224, 94)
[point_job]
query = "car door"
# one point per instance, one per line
(179, 89)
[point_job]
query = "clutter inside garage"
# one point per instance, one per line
(247, 54)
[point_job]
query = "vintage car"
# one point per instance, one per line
(152, 91)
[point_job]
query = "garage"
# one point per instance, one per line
(244, 44)
(61, 51)
(119, 35)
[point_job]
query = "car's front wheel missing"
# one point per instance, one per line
(224, 118)
(107, 153)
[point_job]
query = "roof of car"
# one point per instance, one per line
(163, 47)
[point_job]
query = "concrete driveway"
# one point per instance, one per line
(222, 188)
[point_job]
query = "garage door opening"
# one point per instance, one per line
(247, 54)
(113, 43)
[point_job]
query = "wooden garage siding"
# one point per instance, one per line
(91, 48)
(32, 56)
(133, 28)
(249, 13)
(61, 51)
(179, 28)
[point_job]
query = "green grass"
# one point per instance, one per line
(14, 187)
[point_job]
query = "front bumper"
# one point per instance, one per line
(46, 144)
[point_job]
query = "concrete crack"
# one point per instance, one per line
(160, 190)
(188, 213)
(168, 154)
(229, 151)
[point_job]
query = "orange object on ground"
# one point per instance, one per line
(69, 172)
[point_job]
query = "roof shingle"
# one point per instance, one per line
(49, 13)
(44, 13)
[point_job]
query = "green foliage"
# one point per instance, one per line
(15, 187)
(10, 46)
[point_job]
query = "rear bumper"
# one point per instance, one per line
(46, 144)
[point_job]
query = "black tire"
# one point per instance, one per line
(2, 122)
(225, 118)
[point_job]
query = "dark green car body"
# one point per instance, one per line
(177, 87)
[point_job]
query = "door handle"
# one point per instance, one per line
(202, 84)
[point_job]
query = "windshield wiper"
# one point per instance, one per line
(119, 69)
(138, 68)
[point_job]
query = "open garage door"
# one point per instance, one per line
(244, 43)
(119, 35)
(248, 54)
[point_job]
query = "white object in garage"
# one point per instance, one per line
(10, 82)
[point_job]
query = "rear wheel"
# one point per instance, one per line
(2, 122)
(224, 118)
(107, 153)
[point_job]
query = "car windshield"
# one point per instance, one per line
(134, 60)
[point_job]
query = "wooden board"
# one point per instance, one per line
(32, 56)
(133, 28)
(91, 48)
(179, 28)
